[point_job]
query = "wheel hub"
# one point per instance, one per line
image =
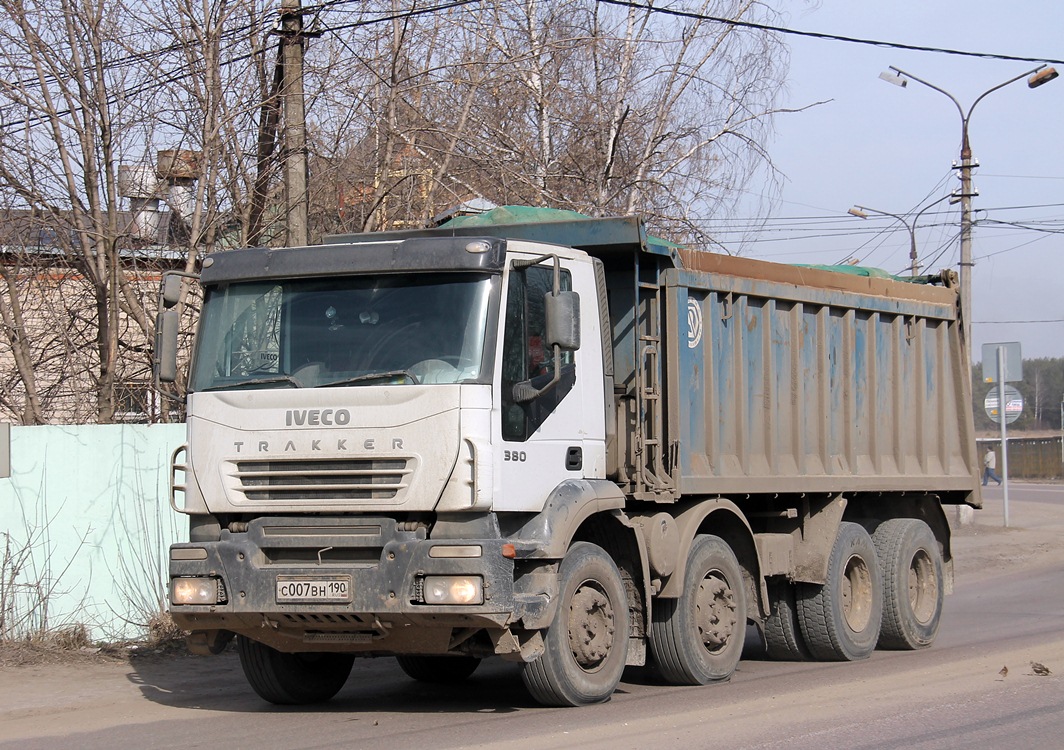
(715, 612)
(591, 626)
(923, 587)
(857, 594)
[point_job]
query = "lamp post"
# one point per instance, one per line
(862, 212)
(1035, 78)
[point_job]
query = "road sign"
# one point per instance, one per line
(1013, 362)
(1013, 404)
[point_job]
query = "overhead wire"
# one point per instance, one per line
(414, 12)
(732, 225)
(398, 16)
(822, 225)
(828, 37)
(182, 75)
(1014, 247)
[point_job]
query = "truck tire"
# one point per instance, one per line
(292, 679)
(911, 564)
(783, 635)
(840, 619)
(586, 645)
(698, 638)
(439, 670)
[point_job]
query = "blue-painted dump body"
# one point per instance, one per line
(782, 380)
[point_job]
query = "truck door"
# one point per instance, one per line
(544, 441)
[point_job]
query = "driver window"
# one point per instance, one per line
(526, 353)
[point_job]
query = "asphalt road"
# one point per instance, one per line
(1007, 611)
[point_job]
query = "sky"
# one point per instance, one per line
(889, 148)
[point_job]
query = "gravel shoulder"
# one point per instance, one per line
(986, 547)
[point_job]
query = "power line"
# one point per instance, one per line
(996, 223)
(1017, 208)
(396, 16)
(942, 249)
(331, 4)
(828, 37)
(842, 217)
(1021, 176)
(189, 73)
(876, 225)
(1014, 247)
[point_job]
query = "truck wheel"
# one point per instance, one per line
(783, 636)
(911, 563)
(439, 670)
(698, 638)
(586, 645)
(841, 619)
(292, 679)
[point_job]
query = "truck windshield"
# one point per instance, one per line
(347, 330)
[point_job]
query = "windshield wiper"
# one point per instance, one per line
(291, 380)
(373, 376)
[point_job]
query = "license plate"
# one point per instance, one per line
(326, 590)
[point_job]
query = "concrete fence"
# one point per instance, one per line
(85, 528)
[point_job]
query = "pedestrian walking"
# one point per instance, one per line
(989, 464)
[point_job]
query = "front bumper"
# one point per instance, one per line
(384, 564)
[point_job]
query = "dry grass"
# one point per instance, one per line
(71, 645)
(163, 633)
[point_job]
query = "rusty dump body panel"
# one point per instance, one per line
(784, 379)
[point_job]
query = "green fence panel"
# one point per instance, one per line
(85, 528)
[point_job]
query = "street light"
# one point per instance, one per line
(861, 212)
(1035, 78)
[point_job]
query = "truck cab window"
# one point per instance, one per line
(527, 355)
(388, 329)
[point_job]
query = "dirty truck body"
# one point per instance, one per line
(565, 445)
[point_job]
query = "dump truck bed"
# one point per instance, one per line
(784, 379)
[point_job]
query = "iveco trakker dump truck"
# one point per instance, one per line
(566, 444)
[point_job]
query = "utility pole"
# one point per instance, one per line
(965, 196)
(295, 124)
(1035, 78)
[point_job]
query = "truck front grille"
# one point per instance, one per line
(318, 479)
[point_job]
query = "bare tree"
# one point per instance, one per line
(570, 104)
(99, 86)
(64, 105)
(20, 394)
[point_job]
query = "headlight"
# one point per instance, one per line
(196, 591)
(454, 590)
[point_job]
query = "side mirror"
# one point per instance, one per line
(166, 344)
(562, 312)
(563, 320)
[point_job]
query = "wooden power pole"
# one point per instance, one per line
(295, 124)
